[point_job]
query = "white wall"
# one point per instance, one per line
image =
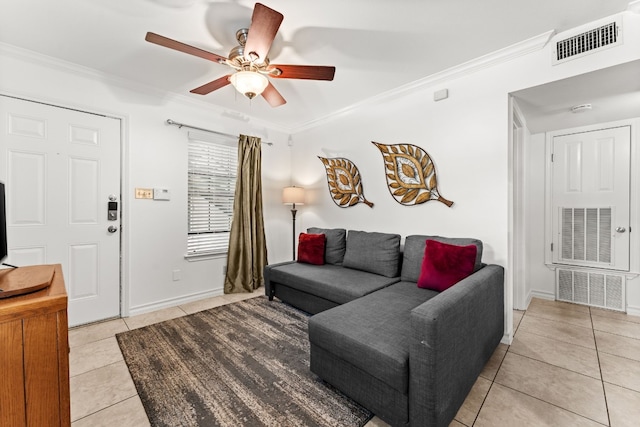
(470, 173)
(467, 138)
(540, 281)
(155, 155)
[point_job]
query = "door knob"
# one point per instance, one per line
(621, 229)
(112, 229)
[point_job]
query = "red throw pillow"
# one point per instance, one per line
(444, 265)
(311, 248)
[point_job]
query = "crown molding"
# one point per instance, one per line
(500, 56)
(110, 79)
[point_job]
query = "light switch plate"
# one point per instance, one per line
(144, 193)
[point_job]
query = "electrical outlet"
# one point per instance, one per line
(176, 275)
(144, 193)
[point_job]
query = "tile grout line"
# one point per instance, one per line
(540, 361)
(541, 316)
(557, 367)
(621, 386)
(558, 321)
(614, 333)
(107, 407)
(493, 380)
(555, 339)
(553, 404)
(489, 390)
(534, 397)
(604, 393)
(100, 367)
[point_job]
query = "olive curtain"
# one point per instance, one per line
(247, 245)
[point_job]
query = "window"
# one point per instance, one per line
(212, 180)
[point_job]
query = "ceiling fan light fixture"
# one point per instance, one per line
(249, 83)
(250, 59)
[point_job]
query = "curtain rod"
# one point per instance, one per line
(181, 125)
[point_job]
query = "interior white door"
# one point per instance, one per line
(591, 184)
(61, 167)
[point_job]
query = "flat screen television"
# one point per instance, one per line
(3, 224)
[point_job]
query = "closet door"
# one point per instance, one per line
(590, 200)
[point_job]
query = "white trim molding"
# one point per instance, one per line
(172, 302)
(500, 56)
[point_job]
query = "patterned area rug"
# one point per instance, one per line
(242, 364)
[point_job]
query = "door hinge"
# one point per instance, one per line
(552, 247)
(551, 157)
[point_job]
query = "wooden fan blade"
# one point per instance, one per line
(272, 96)
(264, 27)
(182, 47)
(311, 72)
(211, 86)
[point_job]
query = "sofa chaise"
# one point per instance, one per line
(408, 354)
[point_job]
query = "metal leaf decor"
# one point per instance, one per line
(411, 175)
(345, 185)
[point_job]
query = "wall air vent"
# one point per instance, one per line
(591, 287)
(588, 42)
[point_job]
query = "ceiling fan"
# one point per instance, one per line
(250, 61)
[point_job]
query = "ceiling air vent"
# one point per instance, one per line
(587, 42)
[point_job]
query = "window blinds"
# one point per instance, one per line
(212, 180)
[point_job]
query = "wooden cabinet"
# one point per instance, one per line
(34, 352)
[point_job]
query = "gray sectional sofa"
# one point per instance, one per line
(410, 355)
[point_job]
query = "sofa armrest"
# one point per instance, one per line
(268, 287)
(453, 336)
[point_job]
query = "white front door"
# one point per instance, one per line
(61, 167)
(590, 200)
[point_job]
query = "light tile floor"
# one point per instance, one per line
(568, 365)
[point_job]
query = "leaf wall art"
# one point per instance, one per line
(411, 174)
(345, 184)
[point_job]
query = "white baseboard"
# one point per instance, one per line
(172, 302)
(632, 310)
(542, 295)
(506, 339)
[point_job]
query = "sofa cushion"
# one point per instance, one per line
(444, 265)
(335, 243)
(377, 253)
(373, 333)
(413, 253)
(311, 248)
(332, 282)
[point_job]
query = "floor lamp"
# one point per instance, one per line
(293, 196)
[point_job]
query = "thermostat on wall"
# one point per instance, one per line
(161, 194)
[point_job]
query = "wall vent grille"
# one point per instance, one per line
(597, 289)
(607, 35)
(585, 235)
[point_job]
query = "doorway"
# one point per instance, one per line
(62, 169)
(547, 109)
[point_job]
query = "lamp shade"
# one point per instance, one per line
(293, 196)
(249, 83)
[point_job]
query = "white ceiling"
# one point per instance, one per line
(613, 92)
(376, 45)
